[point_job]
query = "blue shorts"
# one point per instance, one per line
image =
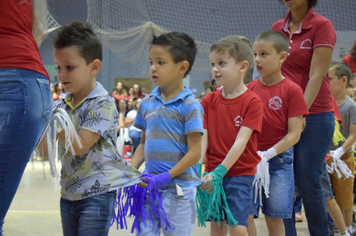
(281, 190)
(238, 192)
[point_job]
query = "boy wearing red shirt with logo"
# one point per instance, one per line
(283, 108)
(232, 120)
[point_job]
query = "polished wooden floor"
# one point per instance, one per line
(35, 208)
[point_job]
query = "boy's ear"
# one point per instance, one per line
(344, 79)
(283, 56)
(244, 66)
(95, 67)
(184, 67)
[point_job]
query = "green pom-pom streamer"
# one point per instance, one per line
(213, 206)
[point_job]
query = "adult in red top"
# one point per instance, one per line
(280, 102)
(224, 118)
(312, 38)
(351, 59)
(25, 95)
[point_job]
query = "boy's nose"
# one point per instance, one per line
(152, 67)
(61, 74)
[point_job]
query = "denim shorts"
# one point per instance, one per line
(180, 211)
(91, 216)
(281, 190)
(238, 192)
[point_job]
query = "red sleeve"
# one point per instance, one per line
(296, 103)
(346, 60)
(324, 35)
(204, 103)
(254, 114)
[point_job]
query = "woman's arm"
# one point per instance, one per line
(319, 66)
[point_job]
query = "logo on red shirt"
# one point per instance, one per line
(306, 44)
(238, 120)
(275, 103)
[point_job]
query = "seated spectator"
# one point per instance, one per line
(130, 105)
(122, 110)
(130, 95)
(119, 91)
(58, 91)
(215, 85)
(52, 89)
(137, 92)
(134, 133)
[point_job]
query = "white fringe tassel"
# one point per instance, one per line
(340, 167)
(262, 179)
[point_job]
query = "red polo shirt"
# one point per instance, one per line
(315, 31)
(17, 46)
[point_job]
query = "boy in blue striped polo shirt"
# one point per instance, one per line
(171, 120)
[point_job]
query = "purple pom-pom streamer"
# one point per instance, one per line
(131, 202)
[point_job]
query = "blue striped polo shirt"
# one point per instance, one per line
(166, 125)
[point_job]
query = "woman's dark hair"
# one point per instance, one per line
(311, 3)
(353, 52)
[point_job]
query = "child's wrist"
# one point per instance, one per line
(270, 153)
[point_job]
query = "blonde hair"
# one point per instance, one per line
(40, 24)
(239, 47)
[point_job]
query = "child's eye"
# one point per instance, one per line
(161, 63)
(151, 63)
(212, 64)
(57, 67)
(255, 54)
(70, 67)
(264, 54)
(221, 63)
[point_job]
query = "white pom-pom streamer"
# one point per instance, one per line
(340, 167)
(63, 121)
(262, 178)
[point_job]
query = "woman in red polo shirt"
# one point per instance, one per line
(312, 38)
(25, 96)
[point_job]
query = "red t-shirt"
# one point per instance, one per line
(18, 48)
(316, 31)
(281, 101)
(223, 119)
(351, 62)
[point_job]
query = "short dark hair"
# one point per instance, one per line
(278, 40)
(239, 47)
(341, 69)
(83, 37)
(311, 3)
(180, 45)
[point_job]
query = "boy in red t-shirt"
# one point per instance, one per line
(232, 120)
(283, 108)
